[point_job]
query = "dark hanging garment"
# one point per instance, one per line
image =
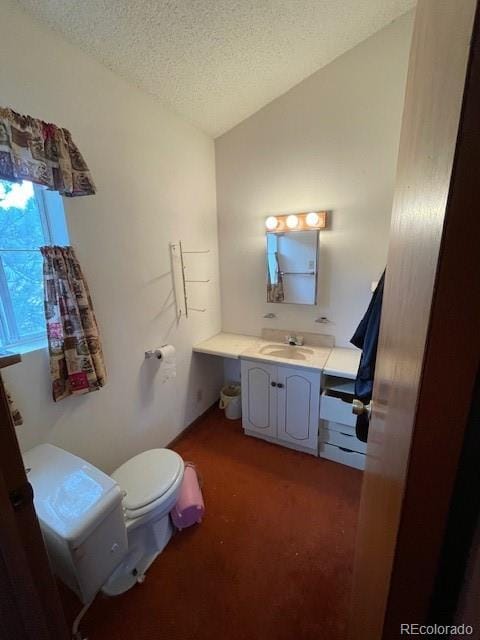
(366, 339)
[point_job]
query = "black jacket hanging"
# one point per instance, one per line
(366, 339)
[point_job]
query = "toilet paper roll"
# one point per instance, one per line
(168, 363)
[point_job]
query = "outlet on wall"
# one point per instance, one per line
(199, 395)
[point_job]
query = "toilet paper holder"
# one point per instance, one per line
(154, 353)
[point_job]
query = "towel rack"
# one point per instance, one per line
(180, 281)
(297, 273)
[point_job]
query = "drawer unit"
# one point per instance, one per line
(336, 426)
(336, 409)
(343, 438)
(338, 438)
(342, 455)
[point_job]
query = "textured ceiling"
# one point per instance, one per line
(216, 61)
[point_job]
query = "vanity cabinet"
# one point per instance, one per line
(259, 398)
(281, 404)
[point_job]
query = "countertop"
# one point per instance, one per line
(343, 362)
(339, 361)
(228, 345)
(312, 357)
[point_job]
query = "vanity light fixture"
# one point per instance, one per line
(271, 223)
(296, 222)
(292, 222)
(312, 219)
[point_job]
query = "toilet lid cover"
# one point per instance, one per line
(147, 476)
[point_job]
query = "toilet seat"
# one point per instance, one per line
(163, 504)
(149, 480)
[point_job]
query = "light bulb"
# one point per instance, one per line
(312, 219)
(292, 222)
(271, 223)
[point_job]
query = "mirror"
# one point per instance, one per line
(292, 259)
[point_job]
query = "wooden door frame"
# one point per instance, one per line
(30, 607)
(429, 348)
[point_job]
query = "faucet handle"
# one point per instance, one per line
(293, 340)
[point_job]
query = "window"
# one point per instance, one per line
(30, 217)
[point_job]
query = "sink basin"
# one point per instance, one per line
(286, 351)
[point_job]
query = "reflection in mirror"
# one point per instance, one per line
(292, 259)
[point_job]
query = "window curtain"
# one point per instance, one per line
(43, 153)
(76, 358)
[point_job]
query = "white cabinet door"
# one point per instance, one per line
(298, 401)
(259, 399)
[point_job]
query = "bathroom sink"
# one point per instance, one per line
(286, 351)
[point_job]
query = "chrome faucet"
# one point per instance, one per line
(294, 341)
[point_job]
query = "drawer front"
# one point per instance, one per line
(344, 438)
(336, 426)
(336, 454)
(337, 410)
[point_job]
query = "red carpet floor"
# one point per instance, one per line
(272, 559)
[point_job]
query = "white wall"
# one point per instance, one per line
(155, 176)
(329, 143)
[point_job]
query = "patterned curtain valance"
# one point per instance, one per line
(43, 153)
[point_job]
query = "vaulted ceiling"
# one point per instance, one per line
(216, 62)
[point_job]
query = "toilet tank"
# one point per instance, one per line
(80, 513)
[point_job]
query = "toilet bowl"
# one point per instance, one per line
(103, 532)
(151, 483)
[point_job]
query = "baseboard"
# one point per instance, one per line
(192, 425)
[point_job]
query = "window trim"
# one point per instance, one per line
(44, 217)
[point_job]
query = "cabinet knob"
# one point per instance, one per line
(274, 384)
(280, 385)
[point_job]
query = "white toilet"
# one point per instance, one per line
(103, 532)
(151, 484)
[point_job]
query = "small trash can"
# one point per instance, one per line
(231, 401)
